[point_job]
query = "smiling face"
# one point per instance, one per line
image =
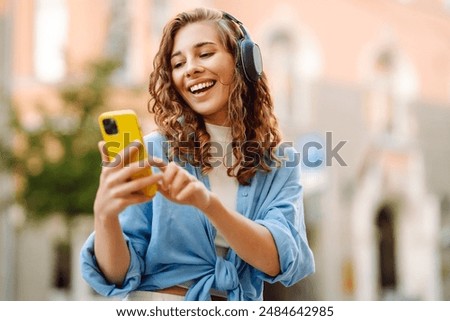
(202, 70)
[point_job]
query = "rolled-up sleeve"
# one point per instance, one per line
(136, 226)
(284, 218)
(295, 256)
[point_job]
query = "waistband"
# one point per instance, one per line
(173, 293)
(181, 291)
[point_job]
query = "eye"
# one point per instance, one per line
(177, 65)
(206, 54)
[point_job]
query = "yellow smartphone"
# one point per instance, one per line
(120, 128)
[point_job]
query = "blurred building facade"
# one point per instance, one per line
(362, 89)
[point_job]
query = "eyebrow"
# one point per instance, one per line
(197, 45)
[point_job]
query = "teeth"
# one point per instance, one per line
(201, 86)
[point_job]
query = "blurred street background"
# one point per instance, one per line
(361, 88)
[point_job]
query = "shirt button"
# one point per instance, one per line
(245, 194)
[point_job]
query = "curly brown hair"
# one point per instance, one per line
(254, 129)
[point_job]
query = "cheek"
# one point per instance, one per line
(177, 82)
(228, 70)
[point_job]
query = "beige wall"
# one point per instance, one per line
(343, 35)
(343, 28)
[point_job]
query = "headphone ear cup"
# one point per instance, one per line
(251, 59)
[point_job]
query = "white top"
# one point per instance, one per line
(224, 186)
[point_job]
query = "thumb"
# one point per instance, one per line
(103, 151)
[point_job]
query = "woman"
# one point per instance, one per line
(228, 215)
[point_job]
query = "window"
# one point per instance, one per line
(62, 266)
(386, 247)
(51, 24)
(383, 111)
(392, 86)
(282, 71)
(117, 45)
(159, 14)
(293, 61)
(447, 5)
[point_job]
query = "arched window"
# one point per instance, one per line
(117, 42)
(282, 53)
(159, 14)
(293, 61)
(392, 84)
(380, 107)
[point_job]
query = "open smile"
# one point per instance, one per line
(201, 87)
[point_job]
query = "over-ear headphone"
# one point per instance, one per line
(249, 54)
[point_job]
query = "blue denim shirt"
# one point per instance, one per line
(172, 244)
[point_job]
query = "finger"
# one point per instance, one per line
(157, 162)
(136, 185)
(103, 151)
(186, 193)
(121, 175)
(132, 169)
(132, 199)
(169, 174)
(179, 182)
(126, 155)
(163, 191)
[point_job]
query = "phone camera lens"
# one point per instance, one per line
(110, 126)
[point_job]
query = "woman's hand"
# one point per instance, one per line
(251, 241)
(180, 187)
(117, 189)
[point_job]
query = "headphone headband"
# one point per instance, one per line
(249, 54)
(238, 22)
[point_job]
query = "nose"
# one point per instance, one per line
(192, 68)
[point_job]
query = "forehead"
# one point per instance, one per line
(194, 33)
